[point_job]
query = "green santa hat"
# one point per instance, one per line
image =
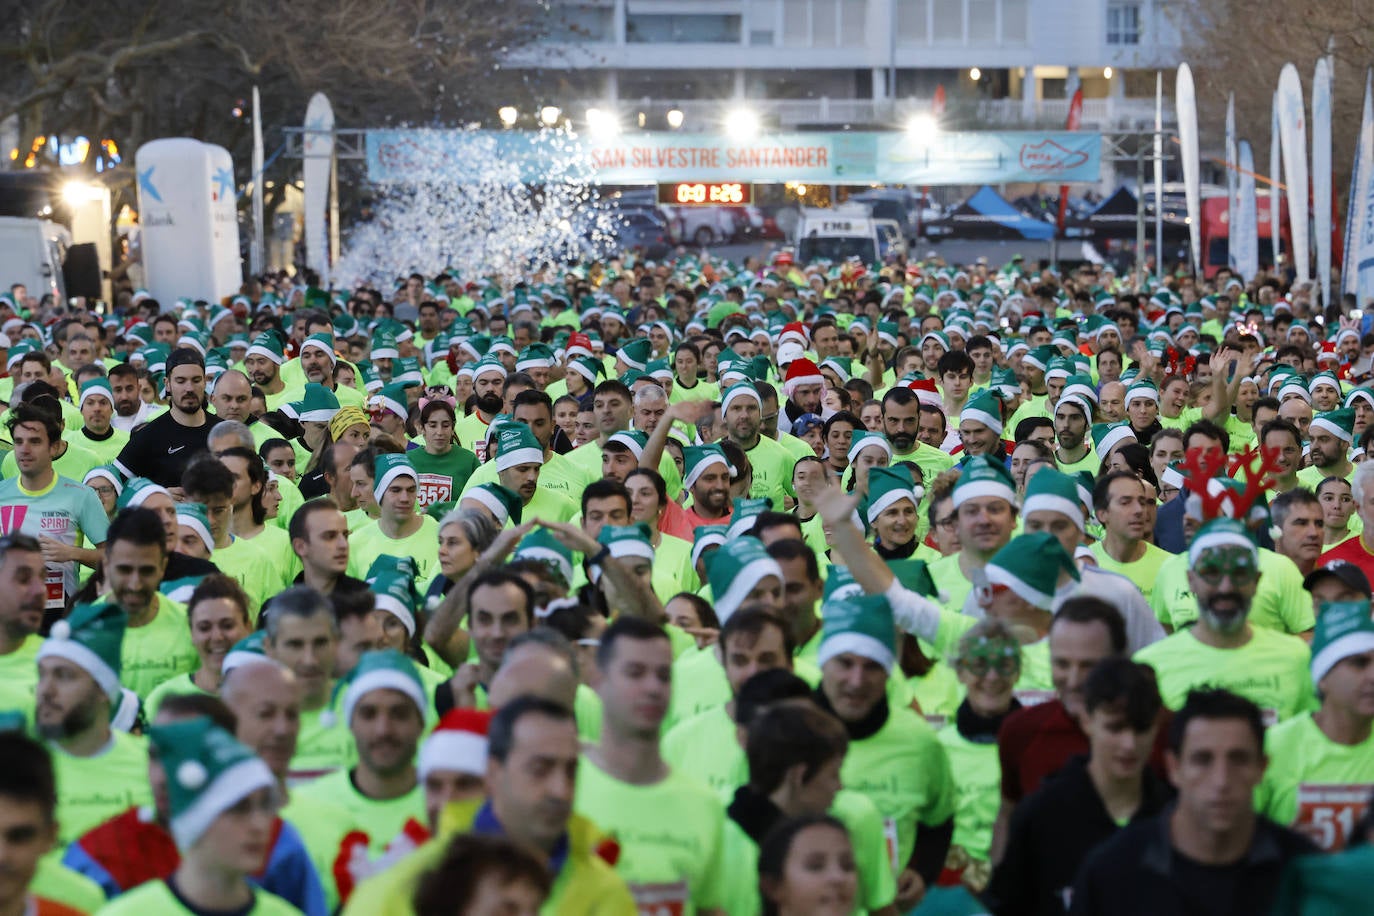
(697, 458)
(489, 364)
(1054, 491)
(705, 538)
(745, 512)
(914, 575)
(985, 408)
(197, 518)
(1339, 423)
(208, 773)
(1040, 357)
(516, 444)
(1109, 436)
(322, 342)
(886, 488)
(735, 570)
(503, 503)
(839, 583)
(395, 594)
(318, 405)
(269, 345)
(843, 366)
(386, 469)
(636, 353)
(1221, 532)
(859, 625)
(1325, 377)
(983, 476)
(1344, 628)
(384, 345)
(736, 391)
(542, 546)
(247, 651)
(96, 388)
(1142, 389)
(625, 542)
(136, 493)
(381, 669)
(632, 439)
(108, 472)
(391, 398)
(91, 638)
(587, 367)
(1030, 565)
(863, 439)
(1058, 368)
(535, 356)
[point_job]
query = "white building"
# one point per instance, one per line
(858, 63)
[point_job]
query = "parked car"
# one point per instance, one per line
(909, 209)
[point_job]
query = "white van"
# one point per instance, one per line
(32, 252)
(843, 233)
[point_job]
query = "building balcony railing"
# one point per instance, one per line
(960, 114)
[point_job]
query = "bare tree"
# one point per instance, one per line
(1241, 45)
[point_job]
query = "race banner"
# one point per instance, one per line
(1232, 186)
(1293, 139)
(1245, 226)
(1321, 175)
(1185, 104)
(1359, 255)
(858, 157)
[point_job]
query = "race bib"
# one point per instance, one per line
(1327, 814)
(661, 899)
(434, 488)
(893, 846)
(53, 581)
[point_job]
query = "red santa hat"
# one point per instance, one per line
(927, 393)
(794, 330)
(458, 743)
(579, 345)
(801, 371)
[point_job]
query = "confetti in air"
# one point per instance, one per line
(480, 217)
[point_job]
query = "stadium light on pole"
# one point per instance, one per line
(922, 126)
(549, 114)
(602, 123)
(508, 115)
(675, 118)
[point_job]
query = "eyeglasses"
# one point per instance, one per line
(1234, 563)
(948, 522)
(1009, 667)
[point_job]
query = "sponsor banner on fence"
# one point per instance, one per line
(858, 157)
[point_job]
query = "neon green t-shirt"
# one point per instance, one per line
(772, 466)
(75, 462)
(156, 899)
(904, 771)
(322, 825)
(1089, 462)
(701, 390)
(558, 474)
(91, 790)
(105, 450)
(671, 837)
(382, 832)
(949, 579)
(978, 778)
(1143, 572)
(699, 684)
(705, 748)
(938, 691)
(60, 884)
(1314, 785)
(157, 651)
(19, 677)
(321, 748)
(1280, 602)
(1271, 670)
(369, 542)
(179, 686)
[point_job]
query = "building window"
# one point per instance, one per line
(1123, 24)
(653, 28)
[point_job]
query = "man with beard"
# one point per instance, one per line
(263, 362)
(519, 460)
(23, 593)
(317, 365)
(164, 446)
(1072, 420)
(802, 386)
(1223, 648)
(742, 408)
(901, 422)
(384, 706)
(558, 474)
(487, 383)
(100, 771)
(500, 606)
(1321, 764)
(980, 427)
(130, 410)
(1329, 440)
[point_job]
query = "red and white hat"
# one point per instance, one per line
(458, 743)
(579, 345)
(801, 371)
(926, 392)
